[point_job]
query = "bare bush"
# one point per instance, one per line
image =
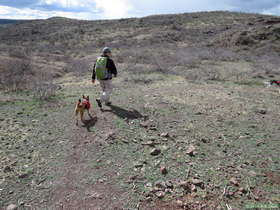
(80, 66)
(44, 90)
(20, 52)
(44, 87)
(16, 74)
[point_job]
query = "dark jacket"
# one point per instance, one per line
(110, 67)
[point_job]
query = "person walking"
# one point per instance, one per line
(103, 70)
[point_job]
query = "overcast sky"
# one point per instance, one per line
(111, 9)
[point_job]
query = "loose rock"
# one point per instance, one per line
(163, 170)
(148, 143)
(169, 184)
(197, 182)
(185, 185)
(180, 203)
(155, 151)
(160, 185)
(191, 150)
(165, 135)
(12, 207)
(233, 181)
(160, 194)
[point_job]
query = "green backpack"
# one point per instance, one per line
(100, 68)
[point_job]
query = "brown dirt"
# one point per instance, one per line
(71, 192)
(273, 177)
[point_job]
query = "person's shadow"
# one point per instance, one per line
(90, 123)
(123, 113)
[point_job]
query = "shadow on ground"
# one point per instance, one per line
(123, 113)
(90, 123)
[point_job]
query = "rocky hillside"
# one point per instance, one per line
(161, 42)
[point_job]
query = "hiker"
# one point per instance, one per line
(103, 70)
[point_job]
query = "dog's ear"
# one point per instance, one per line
(84, 96)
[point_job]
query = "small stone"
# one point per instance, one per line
(169, 184)
(160, 194)
(155, 152)
(191, 150)
(230, 194)
(233, 181)
(180, 203)
(160, 185)
(138, 165)
(185, 185)
(242, 190)
(149, 185)
(163, 170)
(165, 135)
(148, 143)
(257, 198)
(157, 163)
(260, 143)
(148, 199)
(12, 207)
(197, 182)
(193, 188)
(22, 176)
(262, 111)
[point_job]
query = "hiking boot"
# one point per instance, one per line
(99, 103)
(109, 103)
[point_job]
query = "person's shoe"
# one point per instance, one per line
(99, 103)
(109, 103)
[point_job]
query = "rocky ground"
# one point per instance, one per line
(171, 144)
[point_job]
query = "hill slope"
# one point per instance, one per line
(9, 21)
(168, 40)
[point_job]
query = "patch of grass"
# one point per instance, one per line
(251, 83)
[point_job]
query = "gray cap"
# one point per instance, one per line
(106, 50)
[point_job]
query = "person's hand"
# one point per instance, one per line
(93, 81)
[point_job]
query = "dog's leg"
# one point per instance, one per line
(89, 114)
(82, 116)
(76, 117)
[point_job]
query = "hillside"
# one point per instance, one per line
(177, 40)
(191, 125)
(9, 21)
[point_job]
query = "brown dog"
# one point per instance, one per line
(82, 106)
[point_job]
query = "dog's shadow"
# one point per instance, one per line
(89, 123)
(123, 113)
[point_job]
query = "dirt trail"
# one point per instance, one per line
(73, 190)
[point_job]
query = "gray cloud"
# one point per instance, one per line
(137, 8)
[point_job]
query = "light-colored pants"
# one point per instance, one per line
(107, 88)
